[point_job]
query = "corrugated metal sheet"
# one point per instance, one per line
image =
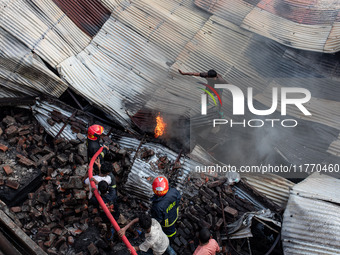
(274, 187)
(288, 32)
(319, 186)
(23, 71)
(127, 53)
(242, 227)
(4, 92)
(42, 111)
(311, 223)
(334, 147)
(299, 24)
(132, 64)
(143, 172)
(89, 15)
(112, 4)
(323, 111)
(43, 28)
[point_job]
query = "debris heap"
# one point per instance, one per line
(51, 203)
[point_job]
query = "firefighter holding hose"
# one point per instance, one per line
(93, 142)
(165, 205)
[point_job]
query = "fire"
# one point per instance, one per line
(161, 125)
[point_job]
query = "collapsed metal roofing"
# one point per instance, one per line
(131, 62)
(311, 222)
(308, 25)
(274, 187)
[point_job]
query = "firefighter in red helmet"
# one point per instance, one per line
(165, 205)
(93, 142)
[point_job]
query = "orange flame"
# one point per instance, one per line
(161, 125)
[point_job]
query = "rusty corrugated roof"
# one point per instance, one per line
(308, 25)
(311, 222)
(88, 15)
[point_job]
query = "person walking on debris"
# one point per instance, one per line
(156, 242)
(212, 78)
(102, 176)
(165, 205)
(93, 145)
(109, 196)
(208, 245)
(107, 170)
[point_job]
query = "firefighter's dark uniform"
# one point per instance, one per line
(165, 210)
(93, 147)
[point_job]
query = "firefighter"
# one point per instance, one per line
(165, 205)
(93, 134)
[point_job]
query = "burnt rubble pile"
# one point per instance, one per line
(213, 204)
(55, 214)
(50, 201)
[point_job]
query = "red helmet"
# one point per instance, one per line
(94, 132)
(160, 186)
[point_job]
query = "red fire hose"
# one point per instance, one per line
(103, 206)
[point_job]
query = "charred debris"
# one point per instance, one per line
(43, 162)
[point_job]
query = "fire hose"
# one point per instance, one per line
(103, 205)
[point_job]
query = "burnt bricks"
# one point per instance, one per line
(227, 190)
(75, 182)
(30, 225)
(52, 251)
(12, 184)
(45, 158)
(49, 243)
(79, 194)
(205, 194)
(79, 160)
(177, 242)
(16, 209)
(43, 232)
(62, 158)
(24, 132)
(209, 218)
(97, 220)
(70, 240)
(183, 241)
(117, 168)
(188, 224)
(200, 210)
(25, 161)
(57, 231)
(11, 131)
(210, 192)
(9, 120)
(3, 147)
(216, 183)
(80, 208)
(205, 200)
(192, 217)
(219, 224)
(204, 224)
(182, 233)
(8, 170)
(93, 250)
(231, 211)
(217, 208)
(43, 197)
